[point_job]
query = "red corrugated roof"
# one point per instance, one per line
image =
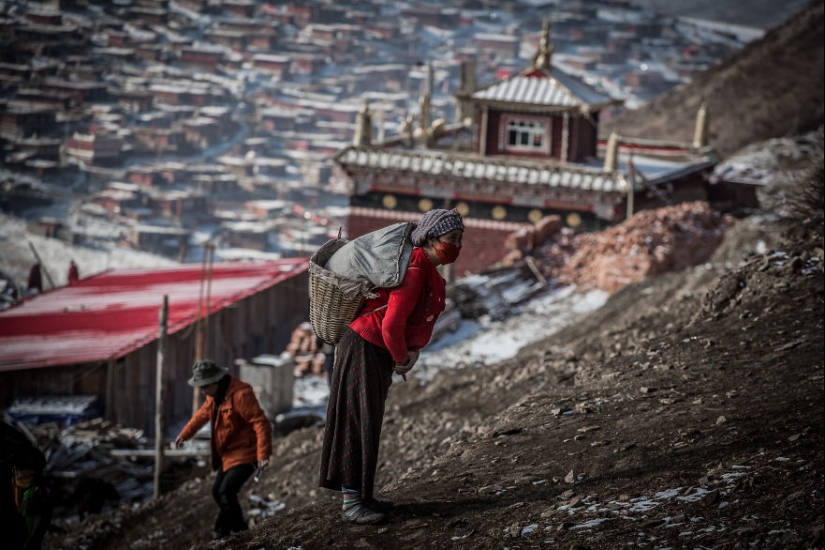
(109, 315)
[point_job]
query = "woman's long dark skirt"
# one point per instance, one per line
(361, 380)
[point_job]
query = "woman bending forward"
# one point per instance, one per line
(386, 337)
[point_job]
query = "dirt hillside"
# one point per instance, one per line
(765, 14)
(685, 413)
(771, 88)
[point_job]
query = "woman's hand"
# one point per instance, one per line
(406, 366)
(178, 442)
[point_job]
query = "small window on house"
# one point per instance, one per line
(525, 134)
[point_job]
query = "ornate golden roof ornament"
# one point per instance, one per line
(424, 116)
(542, 59)
(611, 154)
(363, 126)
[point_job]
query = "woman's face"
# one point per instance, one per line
(453, 237)
(448, 246)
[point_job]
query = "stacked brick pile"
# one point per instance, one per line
(526, 240)
(303, 346)
(650, 243)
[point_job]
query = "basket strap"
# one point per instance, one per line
(374, 310)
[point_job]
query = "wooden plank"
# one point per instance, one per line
(166, 452)
(160, 393)
(109, 395)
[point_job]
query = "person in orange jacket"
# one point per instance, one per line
(241, 438)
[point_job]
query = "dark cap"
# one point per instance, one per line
(206, 372)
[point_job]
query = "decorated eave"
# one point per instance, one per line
(520, 181)
(542, 88)
(454, 166)
(439, 174)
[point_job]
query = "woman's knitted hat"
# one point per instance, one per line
(435, 223)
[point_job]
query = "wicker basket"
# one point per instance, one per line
(330, 309)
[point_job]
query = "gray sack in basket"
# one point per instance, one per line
(376, 260)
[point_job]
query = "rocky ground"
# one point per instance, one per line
(685, 413)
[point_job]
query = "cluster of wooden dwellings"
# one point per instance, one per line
(241, 32)
(179, 116)
(170, 117)
(184, 119)
(180, 196)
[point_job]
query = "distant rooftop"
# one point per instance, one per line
(558, 89)
(106, 316)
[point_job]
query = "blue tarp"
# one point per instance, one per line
(66, 410)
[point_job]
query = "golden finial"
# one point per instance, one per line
(544, 54)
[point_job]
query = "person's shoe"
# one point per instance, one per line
(379, 505)
(218, 535)
(361, 515)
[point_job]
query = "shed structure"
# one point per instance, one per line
(99, 337)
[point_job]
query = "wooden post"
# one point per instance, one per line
(565, 138)
(160, 392)
(110, 390)
(482, 147)
(208, 296)
(196, 394)
(535, 269)
(42, 265)
(631, 189)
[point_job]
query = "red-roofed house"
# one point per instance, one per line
(240, 8)
(100, 336)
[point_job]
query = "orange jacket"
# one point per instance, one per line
(241, 432)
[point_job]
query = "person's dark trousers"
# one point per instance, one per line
(225, 492)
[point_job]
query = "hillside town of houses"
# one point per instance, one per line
(161, 125)
(222, 130)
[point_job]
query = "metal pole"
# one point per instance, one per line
(198, 318)
(160, 392)
(196, 394)
(208, 292)
(630, 189)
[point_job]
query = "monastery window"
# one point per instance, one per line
(525, 134)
